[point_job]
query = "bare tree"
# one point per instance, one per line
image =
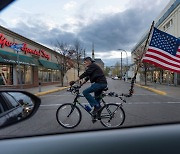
(79, 51)
(64, 60)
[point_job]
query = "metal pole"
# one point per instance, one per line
(19, 71)
(39, 86)
(127, 65)
(126, 62)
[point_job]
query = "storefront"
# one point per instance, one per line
(158, 75)
(26, 63)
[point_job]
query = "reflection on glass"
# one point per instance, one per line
(14, 106)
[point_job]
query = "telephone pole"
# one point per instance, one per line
(93, 57)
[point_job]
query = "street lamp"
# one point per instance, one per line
(126, 61)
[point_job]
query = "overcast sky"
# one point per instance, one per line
(110, 24)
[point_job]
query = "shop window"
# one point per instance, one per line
(44, 75)
(28, 74)
(6, 74)
(168, 77)
(24, 74)
(48, 75)
(40, 75)
(56, 75)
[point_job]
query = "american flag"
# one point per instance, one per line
(163, 51)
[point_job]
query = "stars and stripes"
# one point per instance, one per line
(163, 51)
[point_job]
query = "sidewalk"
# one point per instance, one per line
(43, 90)
(161, 89)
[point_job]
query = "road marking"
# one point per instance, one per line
(50, 105)
(58, 104)
(144, 94)
(56, 95)
(150, 103)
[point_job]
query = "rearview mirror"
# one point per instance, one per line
(16, 106)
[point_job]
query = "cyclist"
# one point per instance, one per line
(96, 76)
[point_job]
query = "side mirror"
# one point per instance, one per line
(16, 106)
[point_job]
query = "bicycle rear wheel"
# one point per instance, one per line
(112, 115)
(68, 115)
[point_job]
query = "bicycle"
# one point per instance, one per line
(69, 115)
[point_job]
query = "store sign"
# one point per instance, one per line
(41, 53)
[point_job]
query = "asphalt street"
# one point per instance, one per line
(143, 108)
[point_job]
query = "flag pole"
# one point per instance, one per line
(144, 50)
(139, 61)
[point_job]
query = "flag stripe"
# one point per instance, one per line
(161, 64)
(163, 59)
(164, 54)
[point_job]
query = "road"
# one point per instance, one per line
(143, 108)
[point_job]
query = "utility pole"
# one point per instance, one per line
(93, 57)
(126, 62)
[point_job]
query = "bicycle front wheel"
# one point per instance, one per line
(112, 115)
(68, 115)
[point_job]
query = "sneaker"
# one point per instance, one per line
(96, 110)
(93, 120)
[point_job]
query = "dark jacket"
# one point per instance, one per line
(94, 73)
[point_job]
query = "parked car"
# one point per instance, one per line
(116, 78)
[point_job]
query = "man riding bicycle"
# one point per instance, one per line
(96, 76)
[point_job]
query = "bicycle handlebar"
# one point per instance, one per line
(74, 89)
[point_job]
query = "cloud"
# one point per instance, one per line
(42, 32)
(70, 5)
(109, 28)
(120, 30)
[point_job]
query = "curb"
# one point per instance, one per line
(152, 89)
(50, 91)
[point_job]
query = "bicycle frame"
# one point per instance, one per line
(76, 101)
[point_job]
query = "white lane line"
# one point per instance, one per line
(58, 104)
(150, 103)
(56, 95)
(50, 105)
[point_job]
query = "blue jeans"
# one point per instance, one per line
(97, 89)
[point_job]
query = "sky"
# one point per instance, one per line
(109, 24)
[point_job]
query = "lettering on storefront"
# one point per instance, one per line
(41, 53)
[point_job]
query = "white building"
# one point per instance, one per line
(169, 22)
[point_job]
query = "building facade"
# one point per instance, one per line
(169, 22)
(26, 63)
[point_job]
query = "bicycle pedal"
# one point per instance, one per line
(94, 120)
(99, 118)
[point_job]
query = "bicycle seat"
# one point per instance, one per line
(105, 89)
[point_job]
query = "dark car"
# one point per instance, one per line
(14, 106)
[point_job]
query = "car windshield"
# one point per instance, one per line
(131, 46)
